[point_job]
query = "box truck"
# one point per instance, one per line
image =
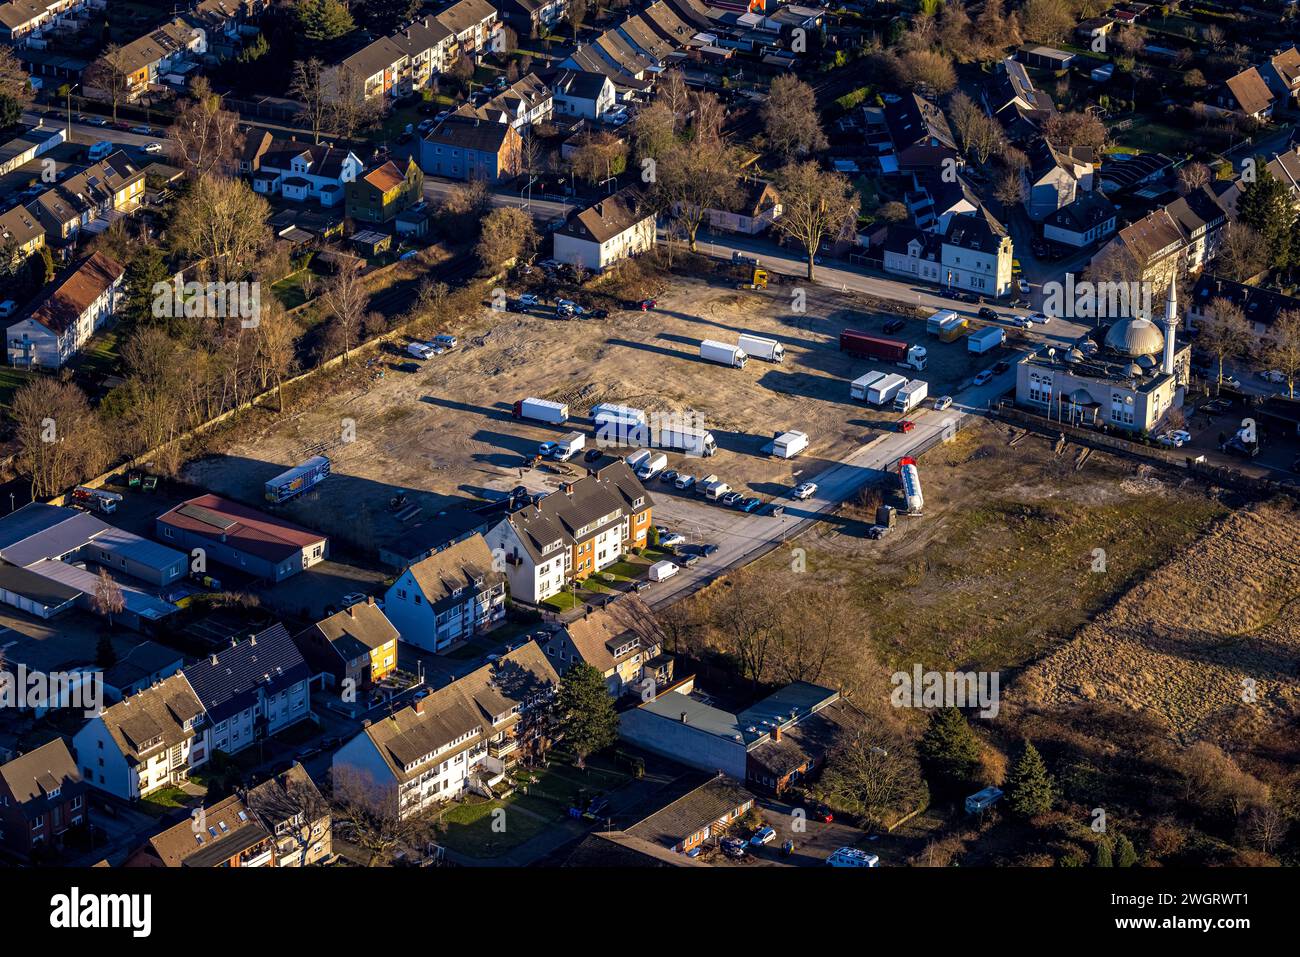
(620, 424)
(867, 346)
(540, 410)
(636, 458)
(569, 446)
(859, 386)
(723, 354)
(910, 396)
(651, 466)
(769, 350)
(786, 445)
(298, 479)
(884, 389)
(990, 337)
(697, 442)
(715, 490)
(911, 479)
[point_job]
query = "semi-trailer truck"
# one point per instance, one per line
(859, 386)
(697, 442)
(867, 346)
(620, 424)
(759, 347)
(986, 339)
(911, 479)
(542, 410)
(883, 390)
(910, 396)
(723, 354)
(298, 479)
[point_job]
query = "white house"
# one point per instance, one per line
(65, 319)
(301, 172)
(144, 742)
(582, 94)
(524, 103)
(1053, 179)
(974, 253)
(1089, 219)
(450, 596)
(463, 736)
(614, 229)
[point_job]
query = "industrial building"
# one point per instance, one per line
(242, 537)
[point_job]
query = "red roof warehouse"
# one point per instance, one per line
(242, 537)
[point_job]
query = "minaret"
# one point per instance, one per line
(1171, 325)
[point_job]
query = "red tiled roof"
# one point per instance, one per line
(73, 296)
(240, 527)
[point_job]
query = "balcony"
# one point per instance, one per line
(499, 749)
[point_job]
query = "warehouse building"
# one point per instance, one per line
(242, 537)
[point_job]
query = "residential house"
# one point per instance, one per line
(451, 596)
(573, 533)
(463, 736)
(23, 20)
(381, 194)
(255, 145)
(146, 741)
(67, 315)
(253, 689)
(145, 61)
(1176, 239)
(581, 94)
(525, 103)
(530, 18)
(632, 75)
(914, 121)
(697, 818)
(23, 230)
(241, 537)
(303, 171)
(139, 668)
(1054, 179)
(1281, 72)
(469, 147)
(42, 797)
(353, 648)
(974, 253)
(227, 834)
(622, 640)
(754, 208)
(291, 808)
(472, 23)
(1260, 307)
(1246, 95)
(90, 201)
(609, 231)
(1011, 98)
(773, 744)
(1089, 219)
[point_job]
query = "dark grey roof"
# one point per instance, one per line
(39, 531)
(1090, 210)
(693, 812)
(229, 685)
(32, 777)
(912, 119)
(37, 588)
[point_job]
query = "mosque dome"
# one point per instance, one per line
(1135, 337)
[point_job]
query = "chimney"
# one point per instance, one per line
(586, 613)
(213, 659)
(370, 600)
(776, 733)
(419, 706)
(352, 611)
(684, 721)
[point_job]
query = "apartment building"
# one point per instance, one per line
(451, 596)
(90, 201)
(63, 320)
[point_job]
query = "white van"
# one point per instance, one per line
(100, 151)
(662, 571)
(852, 857)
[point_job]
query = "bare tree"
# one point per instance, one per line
(508, 235)
(368, 818)
(206, 137)
(1047, 21)
(815, 205)
(1223, 331)
(695, 176)
(223, 223)
(349, 110)
(745, 618)
(307, 86)
(1242, 253)
(344, 300)
(873, 773)
(108, 599)
(276, 342)
(15, 82)
(60, 440)
(790, 118)
(1282, 347)
(1192, 176)
(291, 807)
(1010, 189)
(981, 135)
(109, 76)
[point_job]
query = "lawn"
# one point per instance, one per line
(1150, 136)
(563, 601)
(164, 801)
(98, 360)
(11, 380)
(481, 828)
(290, 291)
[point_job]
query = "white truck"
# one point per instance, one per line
(660, 571)
(541, 410)
(986, 339)
(911, 395)
(651, 466)
(715, 490)
(636, 458)
(723, 354)
(786, 445)
(859, 386)
(569, 446)
(620, 424)
(883, 390)
(696, 442)
(760, 347)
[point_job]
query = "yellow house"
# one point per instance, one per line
(384, 192)
(352, 649)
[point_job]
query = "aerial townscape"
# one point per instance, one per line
(582, 434)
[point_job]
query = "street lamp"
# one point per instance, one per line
(69, 96)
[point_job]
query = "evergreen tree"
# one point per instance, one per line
(1030, 790)
(586, 710)
(949, 750)
(1125, 853)
(1102, 855)
(323, 20)
(145, 269)
(1265, 206)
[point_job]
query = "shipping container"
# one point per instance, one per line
(883, 390)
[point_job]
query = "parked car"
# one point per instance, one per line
(141, 130)
(820, 812)
(751, 504)
(877, 531)
(987, 313)
(444, 340)
(804, 491)
(764, 835)
(1023, 286)
(685, 482)
(1034, 317)
(942, 402)
(1274, 376)
(1020, 322)
(1001, 367)
(983, 377)
(671, 539)
(731, 499)
(707, 550)
(733, 847)
(153, 147)
(547, 449)
(1232, 380)
(1171, 440)
(668, 476)
(593, 454)
(906, 425)
(893, 325)
(688, 560)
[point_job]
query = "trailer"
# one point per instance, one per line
(986, 339)
(867, 346)
(883, 390)
(954, 329)
(695, 442)
(759, 347)
(786, 445)
(911, 479)
(297, 480)
(541, 410)
(859, 386)
(720, 352)
(911, 395)
(568, 446)
(620, 424)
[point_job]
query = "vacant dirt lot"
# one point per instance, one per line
(446, 433)
(1209, 642)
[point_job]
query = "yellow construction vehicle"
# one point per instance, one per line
(757, 279)
(755, 276)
